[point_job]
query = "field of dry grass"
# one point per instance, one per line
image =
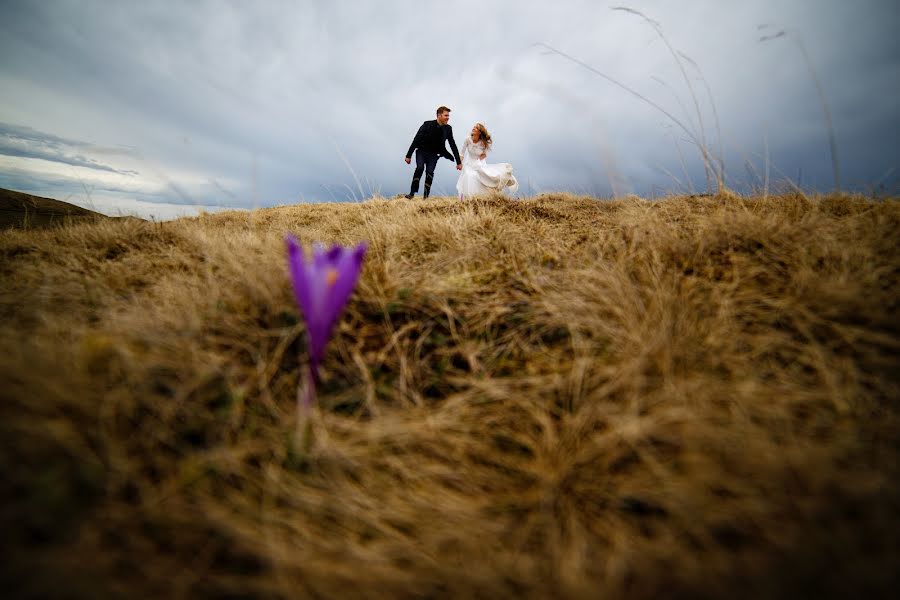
(557, 397)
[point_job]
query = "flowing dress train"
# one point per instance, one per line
(479, 177)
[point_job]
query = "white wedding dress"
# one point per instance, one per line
(479, 177)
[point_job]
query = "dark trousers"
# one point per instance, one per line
(425, 161)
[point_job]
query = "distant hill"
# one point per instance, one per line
(24, 211)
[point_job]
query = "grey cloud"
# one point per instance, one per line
(29, 143)
(26, 181)
(222, 189)
(260, 90)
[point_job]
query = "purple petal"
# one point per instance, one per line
(320, 258)
(317, 323)
(299, 275)
(334, 253)
(310, 291)
(348, 269)
(322, 288)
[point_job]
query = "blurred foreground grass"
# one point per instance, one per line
(556, 397)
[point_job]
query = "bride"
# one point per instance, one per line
(477, 176)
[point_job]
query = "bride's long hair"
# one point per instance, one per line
(483, 135)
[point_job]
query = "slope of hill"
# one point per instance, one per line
(24, 211)
(558, 397)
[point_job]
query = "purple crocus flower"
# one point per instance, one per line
(322, 287)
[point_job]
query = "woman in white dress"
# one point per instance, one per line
(477, 176)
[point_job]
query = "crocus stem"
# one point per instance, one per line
(306, 395)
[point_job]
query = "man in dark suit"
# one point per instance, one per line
(429, 146)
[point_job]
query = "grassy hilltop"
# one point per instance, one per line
(557, 397)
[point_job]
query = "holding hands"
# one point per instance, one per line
(458, 165)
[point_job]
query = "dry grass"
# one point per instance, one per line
(557, 397)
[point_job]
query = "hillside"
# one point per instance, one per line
(24, 211)
(556, 397)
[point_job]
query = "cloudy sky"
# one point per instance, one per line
(162, 108)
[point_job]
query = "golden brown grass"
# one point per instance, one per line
(558, 397)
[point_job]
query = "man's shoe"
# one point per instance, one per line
(408, 196)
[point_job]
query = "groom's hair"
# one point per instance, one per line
(442, 109)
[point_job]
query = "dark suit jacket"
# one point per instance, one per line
(431, 137)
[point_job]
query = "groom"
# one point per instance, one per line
(429, 146)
